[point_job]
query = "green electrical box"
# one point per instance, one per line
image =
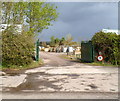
(87, 51)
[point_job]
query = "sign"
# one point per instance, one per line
(100, 58)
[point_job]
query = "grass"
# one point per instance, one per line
(100, 64)
(30, 66)
(65, 57)
(93, 63)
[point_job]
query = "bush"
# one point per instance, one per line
(108, 44)
(17, 49)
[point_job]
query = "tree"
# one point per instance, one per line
(17, 49)
(39, 15)
(52, 42)
(79, 42)
(101, 41)
(13, 12)
(57, 41)
(62, 41)
(69, 40)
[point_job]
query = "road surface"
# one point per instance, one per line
(60, 78)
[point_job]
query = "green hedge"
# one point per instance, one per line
(108, 44)
(17, 49)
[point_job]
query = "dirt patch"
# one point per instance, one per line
(93, 86)
(34, 83)
(13, 72)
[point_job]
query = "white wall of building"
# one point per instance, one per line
(110, 31)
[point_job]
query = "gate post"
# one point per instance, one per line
(37, 50)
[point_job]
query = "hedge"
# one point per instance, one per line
(17, 49)
(108, 44)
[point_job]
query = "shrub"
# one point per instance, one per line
(108, 44)
(17, 49)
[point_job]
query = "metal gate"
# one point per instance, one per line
(87, 51)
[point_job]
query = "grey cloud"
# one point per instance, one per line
(82, 20)
(82, 11)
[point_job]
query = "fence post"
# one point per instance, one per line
(37, 50)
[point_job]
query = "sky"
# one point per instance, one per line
(82, 20)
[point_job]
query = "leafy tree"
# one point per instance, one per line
(62, 41)
(18, 48)
(52, 42)
(68, 41)
(39, 15)
(57, 41)
(101, 41)
(13, 12)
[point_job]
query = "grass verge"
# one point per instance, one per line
(30, 66)
(72, 57)
(100, 64)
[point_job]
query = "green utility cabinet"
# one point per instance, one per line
(87, 51)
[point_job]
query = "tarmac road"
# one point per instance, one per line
(60, 96)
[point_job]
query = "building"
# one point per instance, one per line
(110, 31)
